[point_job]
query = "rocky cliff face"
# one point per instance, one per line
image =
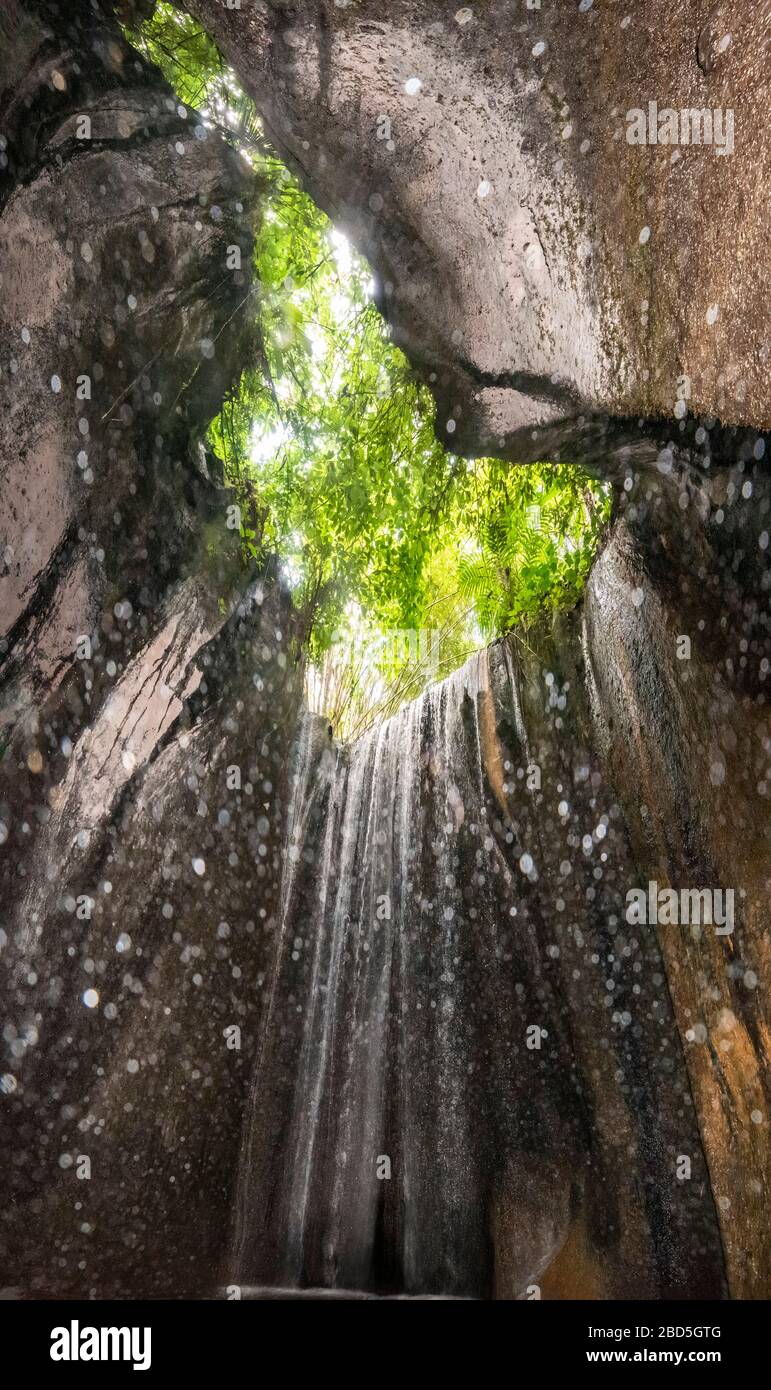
(565, 1097)
(139, 664)
(544, 272)
(191, 1097)
(468, 1053)
(563, 289)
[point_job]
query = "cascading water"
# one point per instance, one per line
(453, 1091)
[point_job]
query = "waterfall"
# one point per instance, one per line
(453, 1068)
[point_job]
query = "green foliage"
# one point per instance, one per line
(329, 442)
(192, 65)
(531, 534)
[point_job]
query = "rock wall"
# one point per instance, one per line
(458, 881)
(139, 662)
(542, 271)
(470, 1080)
(150, 690)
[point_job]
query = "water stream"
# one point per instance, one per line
(453, 1082)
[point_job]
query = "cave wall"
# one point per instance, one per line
(139, 660)
(470, 1081)
(543, 272)
(611, 313)
(684, 734)
(504, 818)
(114, 766)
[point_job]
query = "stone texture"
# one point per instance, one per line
(504, 215)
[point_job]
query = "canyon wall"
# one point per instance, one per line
(544, 274)
(160, 860)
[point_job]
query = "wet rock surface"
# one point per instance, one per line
(126, 614)
(459, 988)
(606, 278)
(456, 992)
(185, 853)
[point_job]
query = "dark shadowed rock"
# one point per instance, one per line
(124, 627)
